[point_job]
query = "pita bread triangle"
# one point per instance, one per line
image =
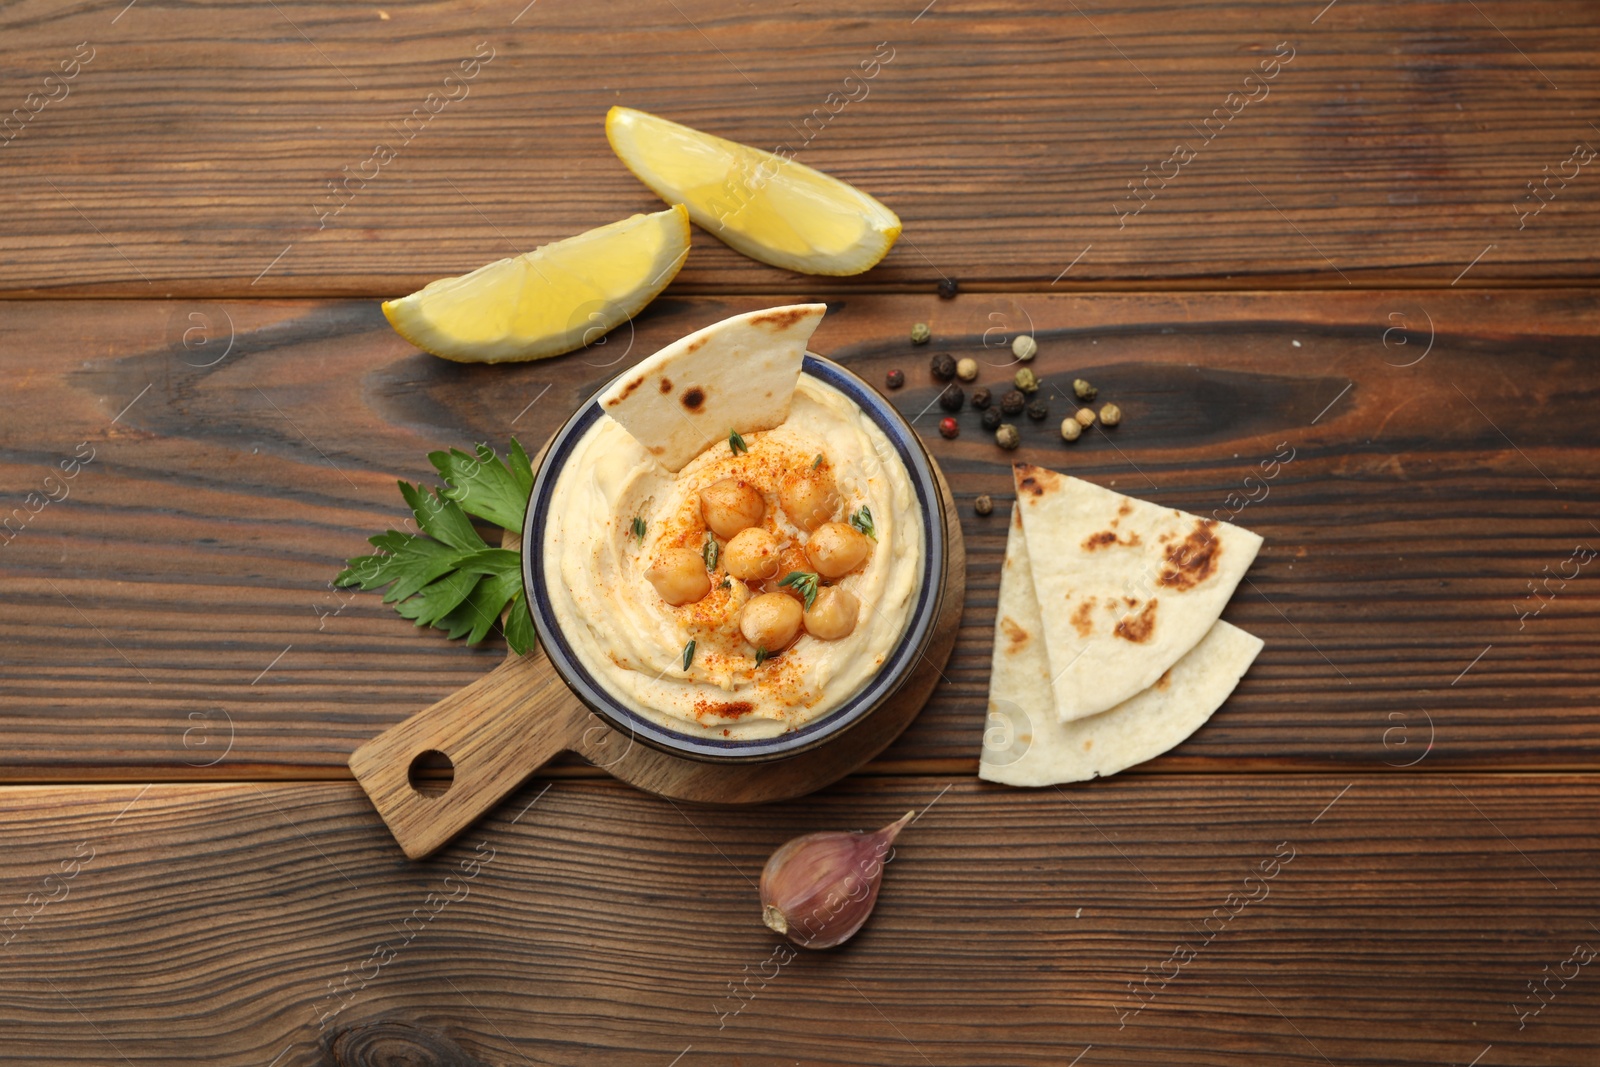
(1125, 587)
(735, 375)
(1024, 742)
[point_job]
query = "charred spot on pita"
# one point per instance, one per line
(1015, 634)
(779, 321)
(1107, 538)
(1080, 618)
(1192, 560)
(626, 389)
(1138, 628)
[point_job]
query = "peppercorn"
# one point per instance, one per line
(1083, 390)
(991, 418)
(1038, 410)
(1085, 417)
(1013, 403)
(1007, 437)
(967, 369)
(1071, 429)
(952, 398)
(1027, 381)
(920, 334)
(983, 505)
(895, 379)
(1024, 347)
(943, 366)
(1110, 415)
(948, 427)
(980, 398)
(948, 288)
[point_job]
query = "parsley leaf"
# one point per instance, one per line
(483, 485)
(445, 575)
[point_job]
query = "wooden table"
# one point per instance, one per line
(1350, 263)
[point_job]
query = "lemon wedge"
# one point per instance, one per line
(764, 205)
(557, 298)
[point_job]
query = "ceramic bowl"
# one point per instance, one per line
(617, 712)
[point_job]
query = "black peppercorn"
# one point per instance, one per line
(1038, 410)
(943, 366)
(1013, 403)
(980, 398)
(1007, 437)
(895, 379)
(952, 398)
(991, 418)
(948, 288)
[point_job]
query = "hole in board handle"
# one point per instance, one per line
(431, 773)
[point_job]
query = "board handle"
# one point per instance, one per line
(495, 733)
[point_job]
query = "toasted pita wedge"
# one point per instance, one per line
(1025, 744)
(737, 374)
(1125, 587)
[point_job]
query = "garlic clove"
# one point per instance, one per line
(817, 890)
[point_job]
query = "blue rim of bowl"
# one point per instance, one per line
(888, 679)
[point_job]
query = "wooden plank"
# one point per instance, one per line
(192, 153)
(592, 924)
(172, 615)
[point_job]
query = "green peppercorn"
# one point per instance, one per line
(1007, 437)
(1027, 381)
(920, 334)
(1083, 390)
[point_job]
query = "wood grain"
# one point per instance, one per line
(237, 923)
(172, 616)
(192, 154)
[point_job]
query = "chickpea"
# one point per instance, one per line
(809, 499)
(833, 614)
(771, 621)
(679, 575)
(837, 548)
(753, 555)
(731, 505)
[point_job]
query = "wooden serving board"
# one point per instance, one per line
(498, 731)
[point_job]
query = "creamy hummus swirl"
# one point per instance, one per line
(633, 642)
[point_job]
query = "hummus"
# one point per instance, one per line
(633, 642)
